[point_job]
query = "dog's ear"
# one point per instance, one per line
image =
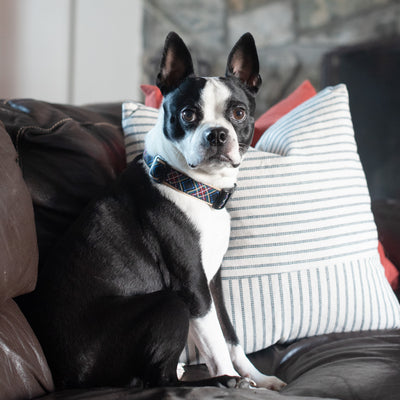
(243, 62)
(176, 64)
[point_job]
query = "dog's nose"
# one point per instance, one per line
(217, 136)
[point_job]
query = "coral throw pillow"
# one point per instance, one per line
(304, 92)
(153, 96)
(391, 272)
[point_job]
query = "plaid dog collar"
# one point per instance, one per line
(161, 172)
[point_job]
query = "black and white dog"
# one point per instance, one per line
(139, 271)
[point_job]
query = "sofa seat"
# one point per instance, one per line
(339, 366)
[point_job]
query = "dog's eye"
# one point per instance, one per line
(188, 115)
(238, 114)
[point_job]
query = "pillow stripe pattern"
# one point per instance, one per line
(297, 133)
(307, 262)
(302, 258)
(137, 120)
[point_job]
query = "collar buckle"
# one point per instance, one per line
(223, 197)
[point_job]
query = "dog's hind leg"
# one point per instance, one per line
(133, 339)
(165, 340)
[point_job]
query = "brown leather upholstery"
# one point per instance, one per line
(23, 369)
(24, 372)
(18, 249)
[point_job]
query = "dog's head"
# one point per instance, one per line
(208, 121)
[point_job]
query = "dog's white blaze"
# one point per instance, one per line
(213, 98)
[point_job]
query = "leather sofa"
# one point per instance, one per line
(53, 160)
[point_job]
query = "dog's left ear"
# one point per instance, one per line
(176, 64)
(243, 63)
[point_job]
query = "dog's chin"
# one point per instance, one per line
(223, 160)
(215, 161)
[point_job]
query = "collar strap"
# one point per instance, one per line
(163, 173)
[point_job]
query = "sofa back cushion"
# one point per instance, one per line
(67, 155)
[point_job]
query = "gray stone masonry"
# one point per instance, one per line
(292, 36)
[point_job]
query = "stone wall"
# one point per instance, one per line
(292, 36)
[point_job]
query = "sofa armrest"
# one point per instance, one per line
(23, 368)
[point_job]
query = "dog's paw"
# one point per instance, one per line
(245, 383)
(226, 381)
(270, 382)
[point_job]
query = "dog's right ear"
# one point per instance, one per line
(176, 64)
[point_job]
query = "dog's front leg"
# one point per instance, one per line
(239, 359)
(207, 335)
(247, 369)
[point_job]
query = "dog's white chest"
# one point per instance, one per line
(214, 228)
(212, 225)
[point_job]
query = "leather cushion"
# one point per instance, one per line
(67, 155)
(173, 393)
(24, 372)
(346, 366)
(18, 248)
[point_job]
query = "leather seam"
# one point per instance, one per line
(24, 128)
(99, 124)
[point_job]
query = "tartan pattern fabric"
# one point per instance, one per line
(161, 172)
(189, 186)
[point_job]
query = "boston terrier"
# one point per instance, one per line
(139, 271)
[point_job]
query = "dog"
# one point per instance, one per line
(139, 271)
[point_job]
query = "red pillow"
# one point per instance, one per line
(391, 272)
(153, 96)
(304, 92)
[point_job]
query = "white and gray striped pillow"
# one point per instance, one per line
(303, 257)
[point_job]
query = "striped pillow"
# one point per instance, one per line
(302, 258)
(137, 120)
